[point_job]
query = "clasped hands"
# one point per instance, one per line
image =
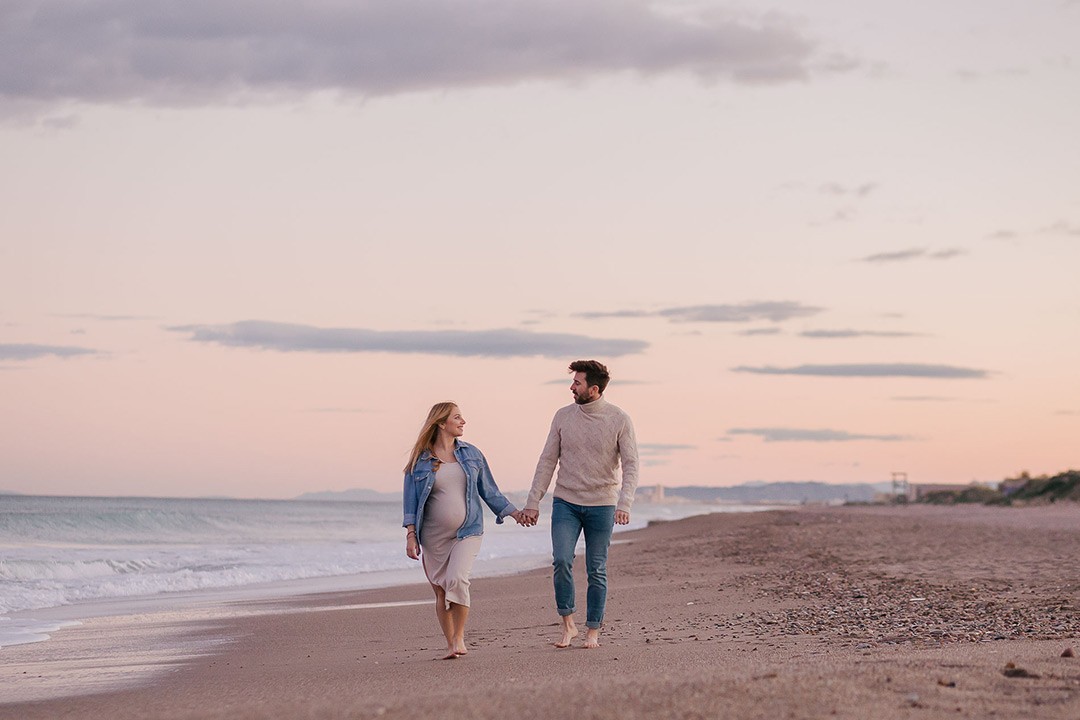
(526, 518)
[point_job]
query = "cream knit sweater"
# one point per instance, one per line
(588, 442)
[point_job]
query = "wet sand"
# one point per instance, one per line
(853, 612)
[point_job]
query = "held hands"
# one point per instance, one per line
(528, 518)
(525, 518)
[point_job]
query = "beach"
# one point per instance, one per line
(849, 612)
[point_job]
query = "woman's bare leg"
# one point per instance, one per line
(446, 621)
(459, 614)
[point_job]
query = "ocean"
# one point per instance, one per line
(66, 558)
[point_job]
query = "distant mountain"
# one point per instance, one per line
(9, 492)
(353, 495)
(778, 492)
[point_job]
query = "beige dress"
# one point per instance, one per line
(448, 560)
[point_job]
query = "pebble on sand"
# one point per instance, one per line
(1011, 670)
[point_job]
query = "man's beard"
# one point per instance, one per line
(581, 399)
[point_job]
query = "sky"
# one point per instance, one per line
(246, 245)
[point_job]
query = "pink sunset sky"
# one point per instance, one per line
(245, 246)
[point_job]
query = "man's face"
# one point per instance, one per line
(581, 390)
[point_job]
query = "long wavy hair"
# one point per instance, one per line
(439, 413)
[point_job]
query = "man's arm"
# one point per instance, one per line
(545, 469)
(628, 458)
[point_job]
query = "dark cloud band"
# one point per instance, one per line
(32, 352)
(286, 337)
(183, 52)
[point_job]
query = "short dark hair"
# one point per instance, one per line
(595, 373)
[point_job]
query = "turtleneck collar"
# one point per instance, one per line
(595, 406)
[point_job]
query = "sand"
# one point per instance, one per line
(850, 612)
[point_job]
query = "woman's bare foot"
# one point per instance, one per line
(569, 632)
(592, 638)
(451, 654)
(460, 649)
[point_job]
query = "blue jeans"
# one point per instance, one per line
(567, 523)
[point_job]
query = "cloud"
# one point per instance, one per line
(746, 312)
(833, 188)
(854, 333)
(287, 337)
(662, 449)
(897, 256)
(803, 435)
(913, 254)
(197, 52)
(776, 311)
(871, 370)
(947, 253)
(1062, 227)
(32, 352)
(614, 314)
(760, 331)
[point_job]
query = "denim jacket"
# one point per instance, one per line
(479, 484)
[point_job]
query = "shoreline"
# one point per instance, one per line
(866, 611)
(99, 579)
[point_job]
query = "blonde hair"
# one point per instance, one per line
(439, 414)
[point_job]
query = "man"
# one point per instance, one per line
(588, 440)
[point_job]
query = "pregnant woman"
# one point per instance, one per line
(445, 480)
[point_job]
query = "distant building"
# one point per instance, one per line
(919, 492)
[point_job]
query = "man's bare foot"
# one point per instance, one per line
(592, 638)
(569, 632)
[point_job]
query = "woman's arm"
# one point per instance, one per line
(490, 493)
(412, 545)
(409, 501)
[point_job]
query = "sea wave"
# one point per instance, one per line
(64, 551)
